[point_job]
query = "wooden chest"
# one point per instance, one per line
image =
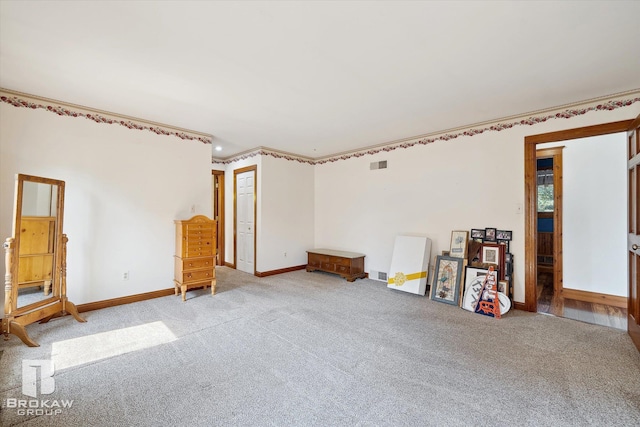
(349, 265)
(195, 254)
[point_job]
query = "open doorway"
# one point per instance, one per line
(217, 187)
(577, 246)
(549, 230)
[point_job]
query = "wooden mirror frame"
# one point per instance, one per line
(16, 318)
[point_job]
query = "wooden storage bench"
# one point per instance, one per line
(349, 265)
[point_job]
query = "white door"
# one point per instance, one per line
(245, 221)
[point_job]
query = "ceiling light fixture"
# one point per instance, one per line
(218, 148)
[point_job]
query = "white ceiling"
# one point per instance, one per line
(319, 78)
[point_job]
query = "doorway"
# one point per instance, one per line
(244, 225)
(569, 298)
(217, 187)
(549, 230)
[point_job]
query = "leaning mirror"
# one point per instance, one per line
(35, 258)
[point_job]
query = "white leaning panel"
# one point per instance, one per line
(410, 264)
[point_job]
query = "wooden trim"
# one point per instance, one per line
(124, 300)
(519, 306)
(595, 297)
(228, 264)
(545, 153)
(220, 219)
(530, 227)
(558, 272)
(595, 130)
(255, 212)
(280, 271)
(530, 189)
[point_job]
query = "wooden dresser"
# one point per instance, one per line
(195, 254)
(349, 265)
(37, 247)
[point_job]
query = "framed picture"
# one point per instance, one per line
(459, 240)
(489, 235)
(508, 257)
(494, 253)
(473, 281)
(503, 286)
(491, 255)
(503, 235)
(477, 233)
(447, 280)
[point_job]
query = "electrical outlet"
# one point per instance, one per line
(125, 275)
(285, 254)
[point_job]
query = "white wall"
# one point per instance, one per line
(468, 182)
(287, 214)
(284, 211)
(594, 226)
(124, 188)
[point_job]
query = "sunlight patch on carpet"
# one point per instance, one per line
(78, 351)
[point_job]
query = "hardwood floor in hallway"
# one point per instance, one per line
(598, 314)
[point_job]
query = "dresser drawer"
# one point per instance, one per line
(199, 227)
(327, 266)
(198, 248)
(196, 263)
(345, 269)
(199, 275)
(340, 261)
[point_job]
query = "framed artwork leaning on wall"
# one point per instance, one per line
(447, 281)
(459, 240)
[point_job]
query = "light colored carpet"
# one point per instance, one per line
(310, 349)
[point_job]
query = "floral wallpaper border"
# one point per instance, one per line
(565, 114)
(99, 118)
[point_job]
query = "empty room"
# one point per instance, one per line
(320, 213)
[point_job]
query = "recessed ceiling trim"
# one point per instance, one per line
(23, 100)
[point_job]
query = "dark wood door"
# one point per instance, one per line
(633, 148)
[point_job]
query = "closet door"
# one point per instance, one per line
(245, 187)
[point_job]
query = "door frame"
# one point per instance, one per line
(531, 200)
(236, 172)
(555, 153)
(218, 199)
(633, 229)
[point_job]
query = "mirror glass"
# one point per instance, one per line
(37, 228)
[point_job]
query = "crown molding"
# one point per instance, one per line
(24, 100)
(263, 151)
(566, 111)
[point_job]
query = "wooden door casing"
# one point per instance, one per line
(530, 191)
(633, 243)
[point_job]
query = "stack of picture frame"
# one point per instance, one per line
(491, 246)
(471, 254)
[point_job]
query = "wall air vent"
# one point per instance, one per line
(378, 165)
(378, 275)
